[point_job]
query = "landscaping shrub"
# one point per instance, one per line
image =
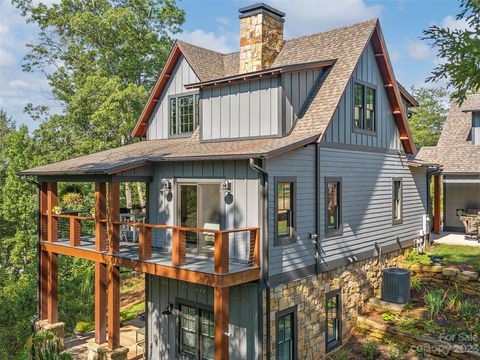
(410, 326)
(388, 317)
(435, 301)
(454, 298)
(393, 354)
(342, 355)
(468, 310)
(431, 327)
(83, 327)
(43, 345)
(415, 257)
(370, 350)
(415, 283)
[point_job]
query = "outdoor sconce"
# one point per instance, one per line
(166, 185)
(168, 310)
(227, 186)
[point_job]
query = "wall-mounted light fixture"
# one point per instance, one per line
(227, 186)
(166, 185)
(168, 310)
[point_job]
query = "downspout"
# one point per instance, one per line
(37, 315)
(316, 237)
(264, 284)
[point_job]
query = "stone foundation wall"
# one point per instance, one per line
(468, 282)
(358, 282)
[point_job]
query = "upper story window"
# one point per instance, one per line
(333, 206)
(397, 206)
(364, 107)
(184, 114)
(284, 211)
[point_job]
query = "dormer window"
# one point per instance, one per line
(184, 113)
(364, 107)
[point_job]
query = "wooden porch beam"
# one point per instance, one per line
(52, 284)
(100, 214)
(436, 204)
(43, 257)
(113, 306)
(52, 222)
(220, 313)
(113, 216)
(100, 268)
(75, 232)
(145, 243)
(179, 245)
(221, 253)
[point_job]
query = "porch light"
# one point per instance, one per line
(168, 310)
(165, 185)
(227, 186)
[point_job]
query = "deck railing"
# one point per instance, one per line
(81, 231)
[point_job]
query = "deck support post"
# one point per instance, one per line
(113, 271)
(436, 204)
(52, 258)
(178, 247)
(100, 269)
(145, 243)
(221, 253)
(220, 309)
(43, 256)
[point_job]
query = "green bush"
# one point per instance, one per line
(415, 257)
(342, 355)
(435, 301)
(431, 327)
(410, 326)
(393, 354)
(43, 345)
(370, 350)
(83, 327)
(388, 317)
(415, 283)
(454, 298)
(468, 310)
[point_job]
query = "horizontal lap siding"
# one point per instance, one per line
(241, 110)
(300, 164)
(162, 329)
(340, 129)
(241, 212)
(158, 124)
(367, 200)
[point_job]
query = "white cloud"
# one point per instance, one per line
(7, 59)
(453, 24)
(225, 21)
(221, 42)
(418, 50)
(306, 17)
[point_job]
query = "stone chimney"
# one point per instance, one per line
(261, 36)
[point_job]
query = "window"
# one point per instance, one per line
(333, 307)
(184, 114)
(287, 334)
(397, 207)
(364, 107)
(333, 207)
(285, 211)
(197, 332)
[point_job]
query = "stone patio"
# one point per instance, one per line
(77, 347)
(450, 238)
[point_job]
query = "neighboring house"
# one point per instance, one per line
(278, 176)
(458, 152)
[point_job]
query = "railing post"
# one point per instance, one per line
(145, 243)
(75, 232)
(256, 247)
(52, 259)
(100, 269)
(179, 245)
(221, 252)
(43, 258)
(113, 216)
(220, 313)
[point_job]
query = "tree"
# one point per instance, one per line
(429, 116)
(459, 50)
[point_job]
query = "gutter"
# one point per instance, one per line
(264, 284)
(36, 317)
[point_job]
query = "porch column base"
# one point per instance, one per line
(57, 328)
(101, 352)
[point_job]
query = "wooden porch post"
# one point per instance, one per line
(436, 198)
(100, 269)
(113, 271)
(220, 313)
(52, 258)
(43, 296)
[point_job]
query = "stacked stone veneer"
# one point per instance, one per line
(468, 282)
(261, 39)
(358, 282)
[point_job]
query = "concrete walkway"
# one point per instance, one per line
(449, 238)
(77, 347)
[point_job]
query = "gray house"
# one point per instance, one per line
(279, 185)
(458, 151)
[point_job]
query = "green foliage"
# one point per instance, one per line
(72, 201)
(132, 311)
(388, 317)
(415, 257)
(341, 355)
(460, 51)
(43, 345)
(410, 326)
(431, 327)
(393, 354)
(458, 254)
(415, 283)
(83, 327)
(454, 298)
(370, 350)
(435, 301)
(468, 310)
(427, 120)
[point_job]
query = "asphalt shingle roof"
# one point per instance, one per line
(454, 150)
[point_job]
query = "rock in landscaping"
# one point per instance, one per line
(382, 306)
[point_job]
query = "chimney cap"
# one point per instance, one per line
(259, 8)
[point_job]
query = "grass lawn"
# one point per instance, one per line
(131, 312)
(457, 254)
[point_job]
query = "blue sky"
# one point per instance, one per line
(214, 24)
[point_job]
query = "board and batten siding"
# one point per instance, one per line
(163, 332)
(366, 195)
(245, 109)
(341, 129)
(158, 124)
(299, 164)
(243, 210)
(297, 87)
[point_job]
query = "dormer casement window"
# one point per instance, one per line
(184, 113)
(364, 104)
